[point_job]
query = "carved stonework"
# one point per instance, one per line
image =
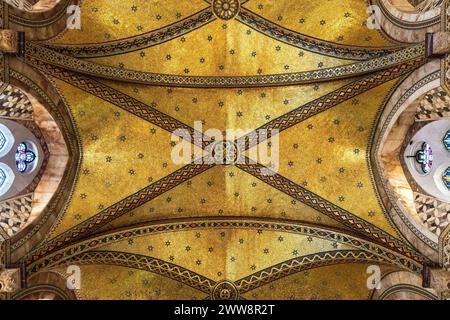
(441, 43)
(14, 213)
(20, 4)
(445, 295)
(425, 5)
(445, 254)
(9, 280)
(9, 41)
(2, 254)
(445, 22)
(440, 282)
(434, 105)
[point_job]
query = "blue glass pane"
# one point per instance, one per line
(21, 166)
(30, 156)
(22, 147)
(446, 178)
(446, 141)
(2, 177)
(2, 140)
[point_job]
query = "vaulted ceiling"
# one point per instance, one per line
(141, 226)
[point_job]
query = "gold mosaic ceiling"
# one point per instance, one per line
(224, 223)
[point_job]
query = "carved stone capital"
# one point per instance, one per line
(440, 282)
(9, 41)
(9, 280)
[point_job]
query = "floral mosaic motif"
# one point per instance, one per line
(24, 157)
(14, 214)
(225, 9)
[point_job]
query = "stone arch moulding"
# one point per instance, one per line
(47, 19)
(38, 288)
(52, 113)
(408, 26)
(33, 5)
(445, 62)
(43, 179)
(429, 136)
(402, 285)
(396, 201)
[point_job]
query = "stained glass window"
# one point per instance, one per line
(446, 141)
(2, 177)
(2, 140)
(446, 178)
(425, 157)
(24, 157)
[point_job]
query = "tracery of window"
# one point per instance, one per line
(427, 157)
(6, 140)
(21, 158)
(24, 157)
(7, 178)
(424, 157)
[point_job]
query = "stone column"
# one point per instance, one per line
(437, 44)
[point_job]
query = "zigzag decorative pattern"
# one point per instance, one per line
(207, 285)
(125, 205)
(36, 52)
(121, 100)
(303, 263)
(326, 102)
(299, 40)
(192, 224)
(206, 16)
(145, 263)
(113, 96)
(329, 209)
(143, 41)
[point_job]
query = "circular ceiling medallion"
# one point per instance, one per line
(225, 9)
(225, 290)
(224, 152)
